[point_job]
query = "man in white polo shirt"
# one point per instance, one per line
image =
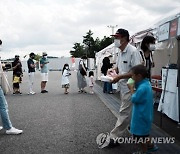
(128, 56)
(44, 72)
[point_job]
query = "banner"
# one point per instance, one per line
(173, 28)
(163, 33)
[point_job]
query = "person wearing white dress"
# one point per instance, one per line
(65, 78)
(91, 82)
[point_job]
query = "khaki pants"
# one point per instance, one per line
(124, 116)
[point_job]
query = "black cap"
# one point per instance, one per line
(122, 33)
(32, 54)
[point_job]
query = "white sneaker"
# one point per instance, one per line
(14, 131)
(1, 127)
(31, 93)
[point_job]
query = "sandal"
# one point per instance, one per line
(83, 91)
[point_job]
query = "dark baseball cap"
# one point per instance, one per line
(32, 54)
(122, 33)
(16, 56)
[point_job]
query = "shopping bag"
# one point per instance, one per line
(115, 86)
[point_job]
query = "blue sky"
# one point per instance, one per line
(55, 25)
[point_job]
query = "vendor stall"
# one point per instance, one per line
(167, 53)
(169, 97)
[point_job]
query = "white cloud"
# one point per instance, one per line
(54, 25)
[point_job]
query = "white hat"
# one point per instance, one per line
(44, 54)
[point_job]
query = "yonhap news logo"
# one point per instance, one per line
(152, 140)
(103, 140)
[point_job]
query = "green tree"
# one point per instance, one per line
(89, 42)
(78, 50)
(105, 42)
(37, 57)
(90, 45)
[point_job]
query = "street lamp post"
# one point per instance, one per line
(87, 53)
(86, 50)
(112, 28)
(0, 45)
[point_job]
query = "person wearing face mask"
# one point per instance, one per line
(128, 56)
(147, 46)
(65, 78)
(17, 75)
(31, 71)
(81, 73)
(44, 72)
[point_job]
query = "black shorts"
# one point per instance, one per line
(16, 85)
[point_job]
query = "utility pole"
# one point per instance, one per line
(0, 45)
(112, 28)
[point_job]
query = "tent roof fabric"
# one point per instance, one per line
(153, 30)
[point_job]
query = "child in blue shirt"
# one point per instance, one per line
(142, 111)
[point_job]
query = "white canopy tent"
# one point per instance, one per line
(165, 31)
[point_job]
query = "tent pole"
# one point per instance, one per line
(165, 82)
(178, 63)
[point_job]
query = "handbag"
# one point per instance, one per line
(16, 79)
(5, 84)
(115, 86)
(83, 72)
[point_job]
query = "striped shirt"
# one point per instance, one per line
(126, 59)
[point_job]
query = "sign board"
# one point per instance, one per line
(171, 84)
(163, 32)
(173, 28)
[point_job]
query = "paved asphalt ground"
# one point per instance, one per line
(58, 123)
